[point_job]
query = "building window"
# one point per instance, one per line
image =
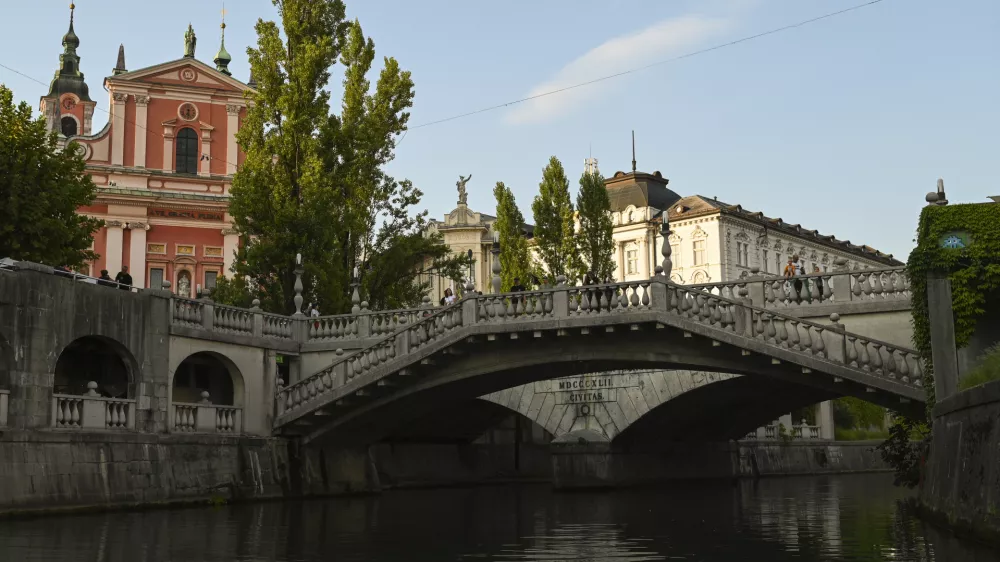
(632, 257)
(68, 125)
(675, 254)
(742, 253)
(777, 262)
(156, 278)
(763, 261)
(210, 277)
(699, 252)
(187, 152)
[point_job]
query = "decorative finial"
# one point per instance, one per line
(633, 151)
(120, 66)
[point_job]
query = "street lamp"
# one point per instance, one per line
(472, 280)
(496, 262)
(355, 296)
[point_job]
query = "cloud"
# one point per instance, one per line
(662, 40)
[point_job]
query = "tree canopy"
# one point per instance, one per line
(515, 260)
(554, 224)
(41, 188)
(595, 238)
(315, 183)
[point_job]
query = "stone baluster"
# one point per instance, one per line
(839, 350)
(864, 359)
(877, 358)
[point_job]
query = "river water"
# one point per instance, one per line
(847, 518)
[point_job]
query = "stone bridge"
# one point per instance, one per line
(483, 344)
(78, 356)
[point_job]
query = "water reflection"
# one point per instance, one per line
(804, 519)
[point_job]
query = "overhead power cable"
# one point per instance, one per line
(648, 66)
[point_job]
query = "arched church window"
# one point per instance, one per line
(187, 151)
(68, 126)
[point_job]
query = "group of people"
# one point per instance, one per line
(795, 268)
(123, 280)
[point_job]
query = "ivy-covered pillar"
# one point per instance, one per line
(942, 327)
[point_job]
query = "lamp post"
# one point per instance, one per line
(496, 262)
(355, 296)
(471, 279)
(298, 285)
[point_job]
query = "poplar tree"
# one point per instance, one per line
(595, 239)
(515, 261)
(41, 187)
(554, 225)
(315, 183)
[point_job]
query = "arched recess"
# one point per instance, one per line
(211, 372)
(723, 410)
(186, 151)
(69, 126)
(99, 359)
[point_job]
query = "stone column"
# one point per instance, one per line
(168, 149)
(205, 158)
(118, 129)
(620, 255)
(88, 117)
(942, 322)
(643, 248)
(230, 241)
(137, 254)
(113, 247)
(824, 419)
(141, 107)
(232, 125)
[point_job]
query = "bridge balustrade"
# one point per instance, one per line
(92, 411)
(884, 285)
(206, 417)
(775, 330)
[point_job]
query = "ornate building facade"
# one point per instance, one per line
(163, 164)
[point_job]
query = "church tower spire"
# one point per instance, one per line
(222, 58)
(120, 65)
(67, 107)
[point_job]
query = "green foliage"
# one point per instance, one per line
(554, 229)
(314, 183)
(515, 261)
(854, 413)
(987, 370)
(784, 437)
(41, 188)
(842, 434)
(974, 272)
(905, 449)
(596, 243)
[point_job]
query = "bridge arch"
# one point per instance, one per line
(476, 369)
(211, 372)
(99, 359)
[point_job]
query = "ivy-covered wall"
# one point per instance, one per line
(964, 242)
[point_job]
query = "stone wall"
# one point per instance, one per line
(588, 465)
(408, 465)
(961, 482)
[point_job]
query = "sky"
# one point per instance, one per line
(842, 125)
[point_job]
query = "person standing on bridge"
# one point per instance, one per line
(792, 270)
(105, 280)
(123, 279)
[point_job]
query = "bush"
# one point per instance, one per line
(905, 449)
(988, 369)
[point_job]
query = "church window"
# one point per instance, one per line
(699, 252)
(68, 125)
(210, 278)
(187, 152)
(632, 256)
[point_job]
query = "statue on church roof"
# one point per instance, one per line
(462, 195)
(190, 42)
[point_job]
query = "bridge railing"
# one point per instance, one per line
(889, 284)
(739, 317)
(205, 418)
(91, 411)
(778, 330)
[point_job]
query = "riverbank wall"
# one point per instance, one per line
(961, 478)
(52, 471)
(602, 465)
